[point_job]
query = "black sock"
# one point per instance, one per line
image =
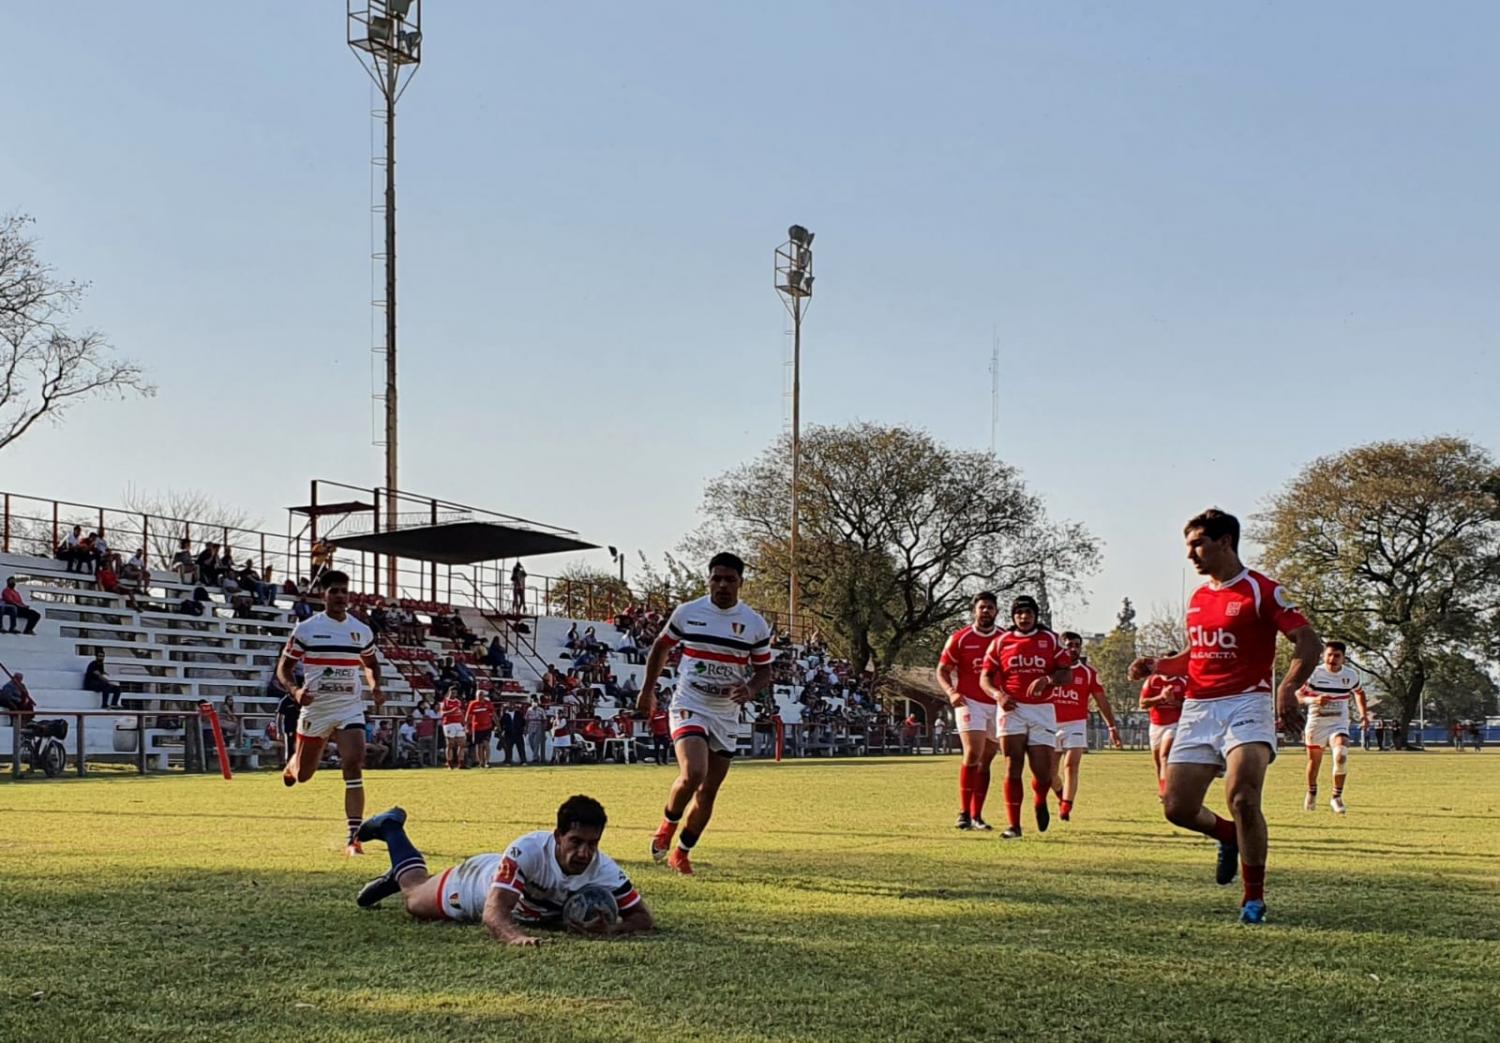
(666, 813)
(686, 839)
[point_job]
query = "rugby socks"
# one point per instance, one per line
(686, 841)
(1161, 786)
(1338, 790)
(1224, 831)
(1039, 793)
(1013, 802)
(1255, 882)
(1066, 807)
(981, 790)
(354, 821)
(404, 854)
(966, 790)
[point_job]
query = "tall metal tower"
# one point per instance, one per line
(794, 281)
(386, 37)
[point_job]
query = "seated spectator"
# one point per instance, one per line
(14, 608)
(571, 641)
(71, 550)
(406, 740)
(96, 680)
(591, 640)
(379, 621)
(107, 576)
(552, 682)
(250, 581)
(226, 564)
(468, 685)
(183, 562)
(379, 741)
(16, 698)
(302, 608)
(135, 572)
(628, 648)
(230, 722)
(629, 688)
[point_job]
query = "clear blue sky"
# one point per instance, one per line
(1216, 240)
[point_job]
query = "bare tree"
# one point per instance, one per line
(208, 518)
(45, 369)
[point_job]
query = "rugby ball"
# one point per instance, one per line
(590, 907)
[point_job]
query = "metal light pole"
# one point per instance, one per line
(386, 36)
(794, 281)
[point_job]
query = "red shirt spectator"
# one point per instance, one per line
(661, 724)
(481, 715)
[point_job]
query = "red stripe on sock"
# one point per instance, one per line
(1255, 882)
(1224, 830)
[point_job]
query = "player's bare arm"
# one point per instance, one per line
(1364, 709)
(986, 682)
(371, 667)
(286, 676)
(1307, 650)
(645, 703)
(499, 912)
(947, 679)
(1042, 685)
(744, 693)
(1171, 666)
(635, 920)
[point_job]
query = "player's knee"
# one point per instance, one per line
(1179, 810)
(1340, 760)
(1244, 802)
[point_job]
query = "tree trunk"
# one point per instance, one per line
(1411, 698)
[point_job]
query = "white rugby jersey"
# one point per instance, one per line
(330, 653)
(529, 868)
(721, 647)
(1336, 687)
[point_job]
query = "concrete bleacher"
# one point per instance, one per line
(161, 659)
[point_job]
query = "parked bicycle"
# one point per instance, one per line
(42, 747)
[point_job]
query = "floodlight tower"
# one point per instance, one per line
(386, 37)
(794, 282)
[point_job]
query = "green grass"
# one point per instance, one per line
(833, 902)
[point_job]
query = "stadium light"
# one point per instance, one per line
(386, 37)
(794, 281)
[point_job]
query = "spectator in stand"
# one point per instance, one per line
(135, 571)
(661, 733)
(230, 723)
(571, 642)
(107, 575)
(454, 732)
(301, 608)
(183, 562)
(16, 698)
(99, 546)
(406, 741)
(911, 730)
(479, 715)
(628, 648)
(468, 684)
(207, 564)
(14, 608)
(380, 744)
(518, 588)
(71, 549)
(379, 621)
(513, 733)
(427, 721)
(96, 680)
(194, 606)
(552, 682)
(536, 730)
(496, 659)
(322, 558)
(251, 581)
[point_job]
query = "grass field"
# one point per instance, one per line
(833, 902)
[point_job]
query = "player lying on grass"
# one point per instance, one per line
(526, 886)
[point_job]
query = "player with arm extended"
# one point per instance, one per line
(1161, 697)
(525, 886)
(974, 709)
(1021, 667)
(336, 651)
(1070, 701)
(1325, 697)
(726, 662)
(1230, 716)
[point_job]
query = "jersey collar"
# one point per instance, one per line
(1216, 585)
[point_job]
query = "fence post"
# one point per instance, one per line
(146, 539)
(140, 743)
(55, 539)
(7, 523)
(80, 745)
(15, 747)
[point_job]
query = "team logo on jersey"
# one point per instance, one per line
(506, 874)
(1233, 608)
(354, 636)
(1281, 598)
(738, 628)
(1020, 662)
(1202, 637)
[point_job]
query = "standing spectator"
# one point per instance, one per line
(513, 733)
(562, 739)
(1476, 734)
(661, 733)
(454, 732)
(536, 730)
(183, 562)
(479, 715)
(322, 558)
(96, 680)
(230, 722)
(406, 741)
(14, 607)
(518, 588)
(207, 564)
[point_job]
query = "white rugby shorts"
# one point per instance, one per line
(975, 716)
(691, 717)
(454, 731)
(1161, 733)
(462, 890)
(1036, 721)
(329, 714)
(1073, 735)
(1210, 728)
(1321, 728)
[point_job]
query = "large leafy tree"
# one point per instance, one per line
(1394, 548)
(896, 533)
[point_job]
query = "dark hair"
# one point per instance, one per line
(1069, 635)
(1337, 646)
(333, 578)
(984, 595)
(1216, 524)
(724, 559)
(582, 811)
(1025, 601)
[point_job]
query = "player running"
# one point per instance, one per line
(526, 886)
(726, 662)
(1229, 717)
(1070, 702)
(1326, 699)
(974, 709)
(334, 649)
(1020, 669)
(1162, 697)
